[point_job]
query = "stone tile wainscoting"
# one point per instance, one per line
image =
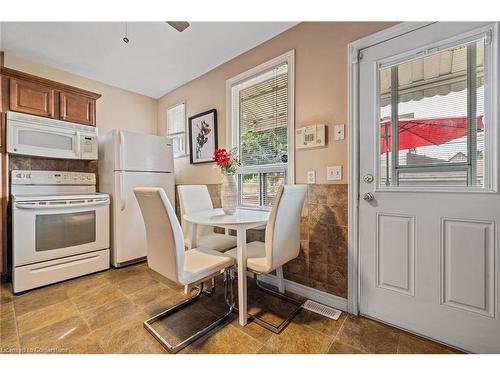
(322, 262)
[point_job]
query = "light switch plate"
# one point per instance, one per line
(334, 173)
(311, 177)
(339, 132)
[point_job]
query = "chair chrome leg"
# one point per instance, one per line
(176, 348)
(211, 291)
(287, 320)
(281, 280)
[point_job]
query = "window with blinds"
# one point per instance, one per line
(176, 128)
(262, 126)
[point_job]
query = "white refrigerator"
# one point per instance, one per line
(128, 160)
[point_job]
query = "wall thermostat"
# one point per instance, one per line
(310, 136)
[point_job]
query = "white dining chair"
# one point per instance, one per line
(167, 256)
(282, 244)
(195, 198)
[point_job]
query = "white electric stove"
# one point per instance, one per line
(60, 227)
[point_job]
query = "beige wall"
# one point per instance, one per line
(320, 92)
(116, 108)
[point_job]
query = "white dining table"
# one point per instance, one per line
(242, 220)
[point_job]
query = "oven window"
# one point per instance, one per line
(58, 231)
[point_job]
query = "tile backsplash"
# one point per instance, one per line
(322, 262)
(32, 163)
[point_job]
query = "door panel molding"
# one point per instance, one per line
(395, 257)
(471, 243)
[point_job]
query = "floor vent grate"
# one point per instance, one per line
(318, 308)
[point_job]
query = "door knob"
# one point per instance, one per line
(368, 197)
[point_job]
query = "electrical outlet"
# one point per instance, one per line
(311, 177)
(334, 173)
(339, 132)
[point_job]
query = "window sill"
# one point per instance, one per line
(181, 156)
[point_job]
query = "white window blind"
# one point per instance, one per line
(176, 127)
(263, 122)
(263, 118)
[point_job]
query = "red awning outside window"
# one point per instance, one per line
(420, 132)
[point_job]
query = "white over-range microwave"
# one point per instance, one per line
(44, 137)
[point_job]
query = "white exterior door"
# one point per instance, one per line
(429, 206)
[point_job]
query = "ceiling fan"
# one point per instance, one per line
(180, 26)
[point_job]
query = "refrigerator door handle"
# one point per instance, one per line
(122, 197)
(120, 149)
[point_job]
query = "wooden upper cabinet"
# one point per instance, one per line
(33, 98)
(23, 92)
(76, 108)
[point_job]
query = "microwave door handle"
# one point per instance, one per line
(78, 149)
(63, 205)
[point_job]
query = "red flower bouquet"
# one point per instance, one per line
(227, 160)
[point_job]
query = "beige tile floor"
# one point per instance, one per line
(103, 313)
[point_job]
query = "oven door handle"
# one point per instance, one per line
(64, 205)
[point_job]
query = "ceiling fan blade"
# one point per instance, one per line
(178, 25)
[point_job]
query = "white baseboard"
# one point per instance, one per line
(308, 292)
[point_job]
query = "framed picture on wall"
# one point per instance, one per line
(202, 137)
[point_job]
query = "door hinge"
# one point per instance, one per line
(357, 57)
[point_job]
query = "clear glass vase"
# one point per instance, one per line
(229, 192)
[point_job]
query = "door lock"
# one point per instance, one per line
(368, 197)
(368, 178)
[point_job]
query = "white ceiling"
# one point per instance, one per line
(155, 61)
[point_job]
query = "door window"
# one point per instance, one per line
(434, 105)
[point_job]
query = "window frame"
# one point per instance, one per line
(232, 114)
(490, 91)
(183, 133)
